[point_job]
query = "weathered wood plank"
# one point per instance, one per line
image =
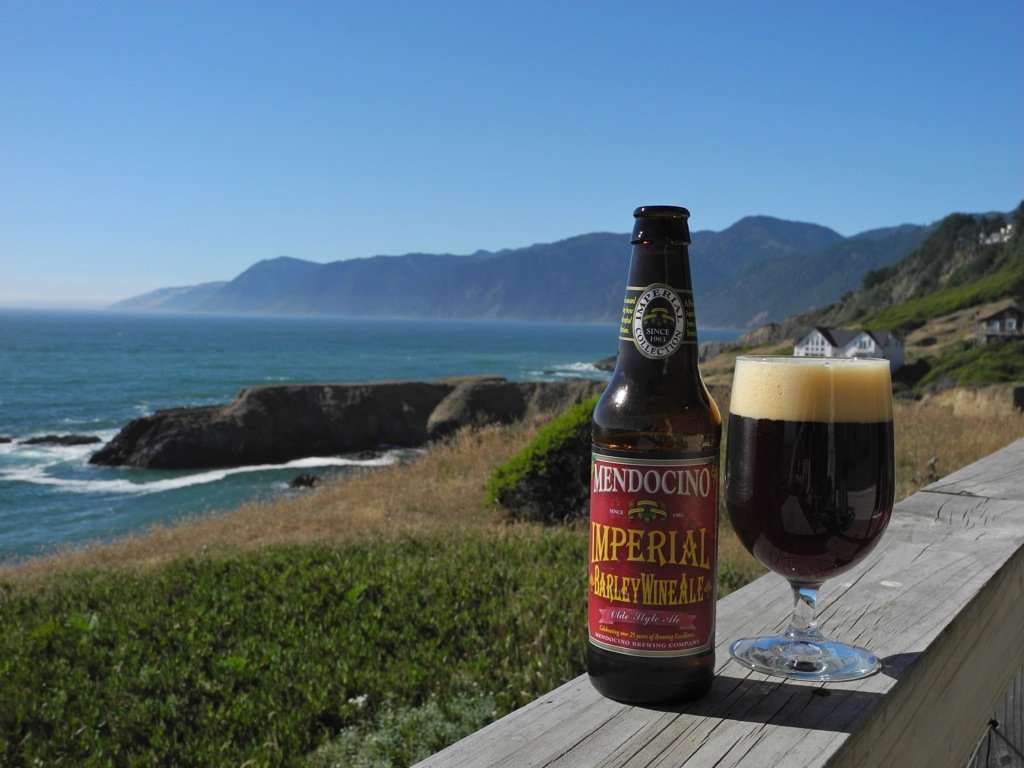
(939, 601)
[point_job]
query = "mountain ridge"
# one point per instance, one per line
(760, 269)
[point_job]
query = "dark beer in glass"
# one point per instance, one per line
(809, 490)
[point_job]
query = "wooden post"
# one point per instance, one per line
(940, 601)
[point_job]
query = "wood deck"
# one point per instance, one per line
(939, 601)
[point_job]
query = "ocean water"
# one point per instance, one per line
(90, 373)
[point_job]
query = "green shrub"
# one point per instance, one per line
(969, 365)
(403, 735)
(549, 480)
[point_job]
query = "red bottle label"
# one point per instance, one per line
(653, 546)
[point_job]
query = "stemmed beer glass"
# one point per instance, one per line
(809, 489)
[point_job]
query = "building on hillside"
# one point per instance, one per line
(1003, 235)
(1006, 324)
(847, 342)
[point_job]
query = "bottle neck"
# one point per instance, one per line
(661, 262)
(659, 326)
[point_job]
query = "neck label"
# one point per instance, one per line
(658, 319)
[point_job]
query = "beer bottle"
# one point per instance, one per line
(654, 486)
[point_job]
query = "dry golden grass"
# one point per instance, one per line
(932, 442)
(444, 490)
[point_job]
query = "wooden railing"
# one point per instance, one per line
(940, 600)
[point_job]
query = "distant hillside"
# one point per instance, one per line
(759, 269)
(965, 261)
(183, 298)
(969, 266)
(774, 289)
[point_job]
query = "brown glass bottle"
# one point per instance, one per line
(654, 486)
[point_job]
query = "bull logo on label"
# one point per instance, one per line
(647, 511)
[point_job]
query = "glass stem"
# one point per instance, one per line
(804, 624)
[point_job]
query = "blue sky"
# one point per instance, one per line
(150, 144)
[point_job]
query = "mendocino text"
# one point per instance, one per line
(609, 478)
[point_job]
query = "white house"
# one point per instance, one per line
(1007, 323)
(1002, 236)
(846, 342)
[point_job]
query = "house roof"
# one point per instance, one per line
(883, 338)
(1002, 312)
(840, 337)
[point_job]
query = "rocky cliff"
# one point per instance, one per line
(276, 424)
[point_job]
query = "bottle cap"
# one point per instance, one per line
(661, 224)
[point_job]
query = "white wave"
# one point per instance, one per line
(576, 370)
(49, 454)
(38, 475)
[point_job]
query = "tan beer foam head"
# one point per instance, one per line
(812, 389)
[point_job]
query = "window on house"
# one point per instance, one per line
(1011, 323)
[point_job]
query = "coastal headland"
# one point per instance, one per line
(277, 424)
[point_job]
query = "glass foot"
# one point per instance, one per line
(818, 660)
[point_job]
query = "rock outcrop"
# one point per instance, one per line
(497, 401)
(276, 424)
(60, 440)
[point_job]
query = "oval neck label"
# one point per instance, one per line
(657, 318)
